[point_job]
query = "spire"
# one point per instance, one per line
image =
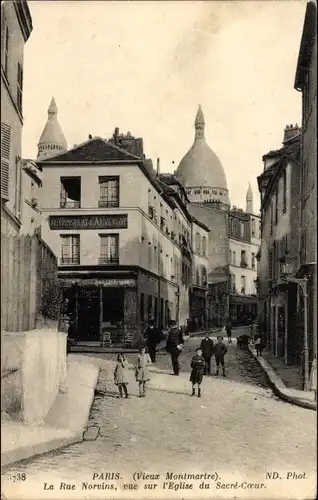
(52, 111)
(52, 141)
(249, 199)
(199, 124)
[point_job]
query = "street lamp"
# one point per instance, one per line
(286, 272)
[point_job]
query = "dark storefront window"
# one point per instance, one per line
(142, 307)
(149, 306)
(155, 309)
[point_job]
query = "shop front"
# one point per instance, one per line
(242, 309)
(198, 308)
(99, 306)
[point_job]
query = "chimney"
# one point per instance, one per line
(290, 131)
(158, 166)
(90, 136)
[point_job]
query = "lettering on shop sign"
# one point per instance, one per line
(77, 222)
(106, 283)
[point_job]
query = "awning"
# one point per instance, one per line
(243, 299)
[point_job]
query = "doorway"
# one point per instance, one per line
(88, 314)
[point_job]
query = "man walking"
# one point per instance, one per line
(174, 346)
(207, 348)
(153, 337)
(229, 333)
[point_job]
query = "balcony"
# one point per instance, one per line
(70, 204)
(243, 264)
(70, 261)
(108, 203)
(108, 260)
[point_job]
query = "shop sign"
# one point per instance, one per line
(79, 222)
(128, 283)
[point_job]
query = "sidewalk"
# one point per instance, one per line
(65, 423)
(284, 380)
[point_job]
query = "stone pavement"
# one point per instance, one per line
(65, 423)
(236, 429)
(304, 399)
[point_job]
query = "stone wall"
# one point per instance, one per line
(33, 370)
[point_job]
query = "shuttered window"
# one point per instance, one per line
(270, 265)
(109, 249)
(19, 87)
(70, 249)
(5, 39)
(5, 160)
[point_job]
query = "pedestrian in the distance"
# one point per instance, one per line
(174, 346)
(207, 347)
(258, 345)
(196, 377)
(142, 370)
(153, 337)
(229, 333)
(220, 350)
(120, 377)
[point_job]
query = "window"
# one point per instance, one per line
(230, 257)
(197, 276)
(243, 284)
(304, 187)
(5, 44)
(253, 227)
(284, 191)
(70, 195)
(70, 249)
(109, 191)
(197, 243)
(109, 249)
(242, 230)
(19, 87)
(276, 205)
(233, 283)
(253, 261)
(243, 258)
(234, 259)
(17, 194)
(272, 217)
(204, 246)
(197, 191)
(204, 276)
(149, 306)
(5, 160)
(270, 265)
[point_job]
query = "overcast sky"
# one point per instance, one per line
(146, 66)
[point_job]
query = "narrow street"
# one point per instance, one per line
(237, 429)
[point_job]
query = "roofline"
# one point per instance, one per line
(24, 18)
(201, 224)
(306, 45)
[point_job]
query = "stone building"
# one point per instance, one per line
(244, 242)
(123, 235)
(280, 208)
(306, 83)
(204, 178)
(16, 27)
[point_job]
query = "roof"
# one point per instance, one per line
(307, 43)
(290, 147)
(93, 150)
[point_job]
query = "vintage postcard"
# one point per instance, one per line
(158, 250)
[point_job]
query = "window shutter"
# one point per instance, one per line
(5, 160)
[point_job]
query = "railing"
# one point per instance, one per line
(243, 263)
(108, 260)
(108, 203)
(70, 204)
(70, 260)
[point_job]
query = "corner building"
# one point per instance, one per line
(122, 235)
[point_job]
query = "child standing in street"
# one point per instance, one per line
(198, 366)
(120, 377)
(142, 370)
(220, 350)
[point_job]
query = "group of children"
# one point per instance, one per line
(142, 373)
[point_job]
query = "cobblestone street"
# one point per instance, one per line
(237, 429)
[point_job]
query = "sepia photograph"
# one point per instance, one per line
(158, 250)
